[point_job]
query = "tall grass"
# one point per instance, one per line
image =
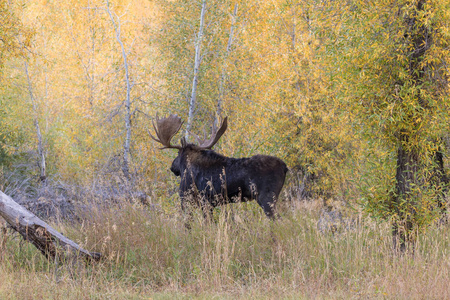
(148, 253)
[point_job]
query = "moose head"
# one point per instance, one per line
(209, 179)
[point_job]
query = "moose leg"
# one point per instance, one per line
(267, 202)
(187, 213)
(207, 210)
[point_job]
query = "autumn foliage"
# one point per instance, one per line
(339, 92)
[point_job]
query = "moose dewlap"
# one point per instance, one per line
(209, 179)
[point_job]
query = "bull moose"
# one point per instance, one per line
(209, 179)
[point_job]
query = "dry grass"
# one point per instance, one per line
(150, 254)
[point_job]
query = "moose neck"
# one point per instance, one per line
(204, 157)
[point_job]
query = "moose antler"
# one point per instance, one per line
(165, 129)
(215, 136)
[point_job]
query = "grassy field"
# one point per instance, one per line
(150, 255)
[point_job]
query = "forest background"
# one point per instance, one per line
(353, 96)
(76, 106)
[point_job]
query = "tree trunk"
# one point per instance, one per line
(46, 239)
(440, 180)
(223, 76)
(418, 38)
(197, 61)
(127, 142)
(406, 179)
(41, 152)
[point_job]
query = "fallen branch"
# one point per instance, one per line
(49, 241)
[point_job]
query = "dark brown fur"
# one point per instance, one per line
(213, 179)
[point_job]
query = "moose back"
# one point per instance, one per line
(209, 179)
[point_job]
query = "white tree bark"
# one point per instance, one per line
(127, 142)
(223, 76)
(46, 239)
(197, 61)
(41, 151)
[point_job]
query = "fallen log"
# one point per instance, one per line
(46, 239)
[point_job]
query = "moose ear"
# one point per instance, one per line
(183, 142)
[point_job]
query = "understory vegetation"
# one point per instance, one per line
(150, 254)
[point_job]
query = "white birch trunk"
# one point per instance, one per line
(223, 76)
(46, 239)
(41, 152)
(127, 142)
(197, 61)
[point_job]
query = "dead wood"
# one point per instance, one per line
(46, 239)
